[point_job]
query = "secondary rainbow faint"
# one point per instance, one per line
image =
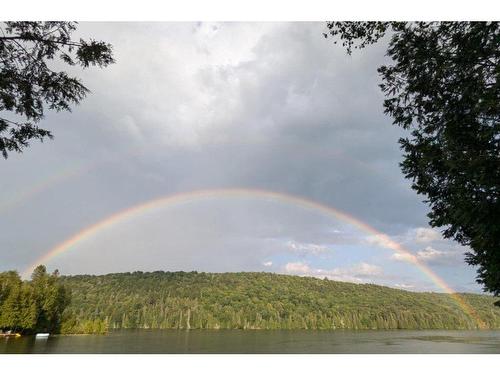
(24, 195)
(307, 204)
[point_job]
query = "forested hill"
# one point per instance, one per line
(194, 300)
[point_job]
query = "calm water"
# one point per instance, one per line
(173, 341)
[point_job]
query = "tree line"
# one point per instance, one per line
(245, 300)
(248, 300)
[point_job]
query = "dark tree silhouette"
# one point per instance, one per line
(28, 83)
(443, 86)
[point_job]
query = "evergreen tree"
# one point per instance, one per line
(32, 306)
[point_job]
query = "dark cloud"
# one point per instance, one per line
(203, 106)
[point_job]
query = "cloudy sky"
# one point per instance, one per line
(192, 106)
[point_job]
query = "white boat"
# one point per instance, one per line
(42, 335)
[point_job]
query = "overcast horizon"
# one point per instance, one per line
(207, 106)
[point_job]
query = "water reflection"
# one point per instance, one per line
(236, 341)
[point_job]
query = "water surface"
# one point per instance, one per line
(238, 341)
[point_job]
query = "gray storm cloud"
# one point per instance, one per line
(202, 106)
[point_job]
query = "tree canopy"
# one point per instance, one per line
(442, 85)
(252, 300)
(32, 306)
(243, 300)
(29, 83)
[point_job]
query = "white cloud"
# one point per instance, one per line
(425, 235)
(403, 257)
(359, 273)
(267, 264)
(305, 248)
(298, 268)
(404, 286)
(381, 240)
(208, 29)
(365, 269)
(429, 255)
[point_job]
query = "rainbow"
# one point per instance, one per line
(22, 195)
(182, 198)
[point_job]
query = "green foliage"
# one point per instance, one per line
(191, 300)
(184, 300)
(28, 84)
(32, 306)
(71, 325)
(443, 86)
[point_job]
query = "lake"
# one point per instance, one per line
(237, 341)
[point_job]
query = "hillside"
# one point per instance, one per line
(258, 301)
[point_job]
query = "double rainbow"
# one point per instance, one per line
(182, 198)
